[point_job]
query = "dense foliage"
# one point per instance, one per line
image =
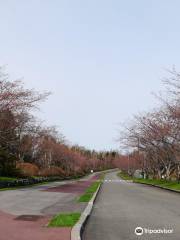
(34, 149)
(153, 139)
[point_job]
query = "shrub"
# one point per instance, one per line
(53, 171)
(7, 163)
(28, 169)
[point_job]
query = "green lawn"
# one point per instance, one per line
(124, 176)
(25, 186)
(64, 220)
(86, 197)
(157, 182)
(7, 179)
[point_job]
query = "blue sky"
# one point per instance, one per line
(101, 59)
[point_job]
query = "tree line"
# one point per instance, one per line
(153, 138)
(27, 147)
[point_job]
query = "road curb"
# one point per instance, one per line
(76, 231)
(168, 189)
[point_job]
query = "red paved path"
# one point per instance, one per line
(11, 229)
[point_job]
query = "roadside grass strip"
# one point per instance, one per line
(25, 186)
(10, 179)
(64, 220)
(124, 176)
(86, 197)
(7, 179)
(174, 185)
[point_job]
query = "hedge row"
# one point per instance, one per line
(31, 181)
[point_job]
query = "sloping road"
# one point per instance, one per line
(24, 212)
(37, 200)
(122, 206)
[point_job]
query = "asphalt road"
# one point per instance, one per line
(122, 206)
(36, 200)
(24, 212)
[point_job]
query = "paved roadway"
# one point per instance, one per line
(25, 212)
(36, 201)
(122, 206)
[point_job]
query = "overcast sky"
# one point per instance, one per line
(100, 58)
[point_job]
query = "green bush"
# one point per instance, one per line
(7, 163)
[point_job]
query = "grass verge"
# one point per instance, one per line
(173, 185)
(25, 186)
(9, 179)
(64, 220)
(31, 185)
(124, 176)
(86, 197)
